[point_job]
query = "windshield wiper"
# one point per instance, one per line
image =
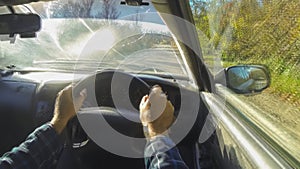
(7, 71)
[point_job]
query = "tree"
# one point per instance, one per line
(243, 26)
(199, 9)
(84, 9)
(71, 9)
(213, 19)
(267, 30)
(109, 10)
(262, 31)
(138, 16)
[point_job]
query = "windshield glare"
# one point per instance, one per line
(133, 39)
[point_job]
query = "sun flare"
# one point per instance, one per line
(102, 40)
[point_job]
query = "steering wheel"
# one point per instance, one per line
(115, 95)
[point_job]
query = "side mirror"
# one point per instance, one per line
(24, 24)
(247, 79)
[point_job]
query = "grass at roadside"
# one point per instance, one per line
(287, 86)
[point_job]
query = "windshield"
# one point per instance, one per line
(95, 35)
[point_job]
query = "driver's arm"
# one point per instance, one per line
(44, 144)
(162, 153)
(157, 115)
(39, 149)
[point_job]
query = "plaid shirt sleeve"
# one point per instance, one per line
(40, 150)
(161, 153)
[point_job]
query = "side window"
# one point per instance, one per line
(258, 32)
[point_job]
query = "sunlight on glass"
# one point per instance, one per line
(77, 46)
(102, 40)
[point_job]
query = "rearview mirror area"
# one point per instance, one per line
(247, 79)
(24, 24)
(134, 3)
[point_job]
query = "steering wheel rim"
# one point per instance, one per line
(122, 112)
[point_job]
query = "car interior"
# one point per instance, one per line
(28, 97)
(31, 103)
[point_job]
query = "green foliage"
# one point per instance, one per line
(201, 17)
(287, 86)
(265, 32)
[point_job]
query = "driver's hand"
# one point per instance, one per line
(156, 112)
(65, 108)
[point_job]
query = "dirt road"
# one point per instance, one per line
(279, 116)
(278, 109)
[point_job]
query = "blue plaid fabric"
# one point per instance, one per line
(42, 147)
(40, 150)
(161, 153)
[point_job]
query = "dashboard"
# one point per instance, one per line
(16, 112)
(27, 101)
